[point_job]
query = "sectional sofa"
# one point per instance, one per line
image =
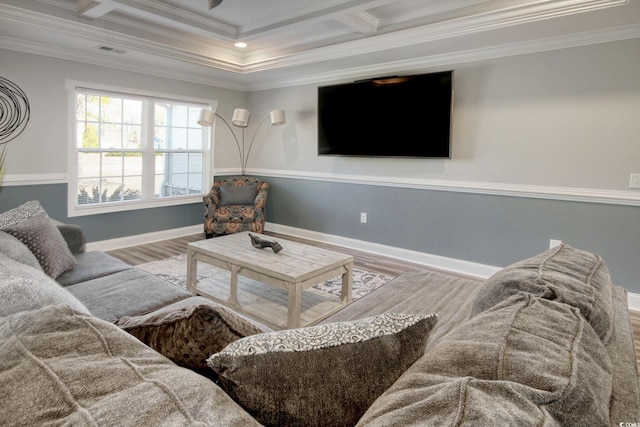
(86, 339)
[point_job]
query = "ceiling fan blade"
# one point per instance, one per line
(214, 3)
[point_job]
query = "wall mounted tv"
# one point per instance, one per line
(400, 116)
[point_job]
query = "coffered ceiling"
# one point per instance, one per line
(300, 41)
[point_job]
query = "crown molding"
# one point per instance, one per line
(227, 59)
(435, 32)
(236, 66)
(113, 61)
(464, 56)
(460, 57)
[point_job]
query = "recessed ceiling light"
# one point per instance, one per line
(241, 44)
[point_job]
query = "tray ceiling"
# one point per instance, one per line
(298, 41)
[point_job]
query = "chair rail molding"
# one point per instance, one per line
(574, 194)
(35, 179)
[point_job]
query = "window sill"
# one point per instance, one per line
(133, 205)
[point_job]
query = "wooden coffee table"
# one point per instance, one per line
(294, 269)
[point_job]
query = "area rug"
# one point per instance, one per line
(174, 270)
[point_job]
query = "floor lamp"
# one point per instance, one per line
(241, 119)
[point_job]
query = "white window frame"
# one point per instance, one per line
(73, 209)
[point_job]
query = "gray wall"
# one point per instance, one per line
(567, 119)
(564, 122)
(39, 154)
(53, 198)
(541, 129)
(42, 147)
(487, 229)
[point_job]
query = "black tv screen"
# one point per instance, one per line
(401, 116)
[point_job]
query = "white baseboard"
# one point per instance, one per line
(481, 271)
(141, 239)
(452, 265)
(634, 301)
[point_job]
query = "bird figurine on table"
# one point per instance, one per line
(259, 243)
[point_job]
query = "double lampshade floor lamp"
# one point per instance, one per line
(241, 120)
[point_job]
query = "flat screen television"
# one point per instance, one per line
(400, 116)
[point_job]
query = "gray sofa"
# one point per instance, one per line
(546, 341)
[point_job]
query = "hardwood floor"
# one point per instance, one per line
(135, 255)
(635, 323)
(140, 254)
(390, 266)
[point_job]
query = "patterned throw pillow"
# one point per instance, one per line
(189, 335)
(17, 251)
(21, 213)
(325, 375)
(45, 241)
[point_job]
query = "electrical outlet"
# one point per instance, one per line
(363, 217)
(634, 180)
(553, 243)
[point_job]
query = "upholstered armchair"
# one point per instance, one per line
(235, 204)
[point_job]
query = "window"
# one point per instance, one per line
(135, 150)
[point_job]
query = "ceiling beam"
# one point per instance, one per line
(94, 9)
(159, 13)
(361, 22)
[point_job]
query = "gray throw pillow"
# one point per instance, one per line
(47, 244)
(23, 288)
(60, 367)
(21, 213)
(325, 375)
(527, 362)
(189, 335)
(242, 195)
(564, 274)
(17, 251)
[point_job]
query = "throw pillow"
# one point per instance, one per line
(189, 335)
(527, 362)
(243, 195)
(564, 274)
(21, 213)
(23, 288)
(44, 240)
(17, 251)
(60, 367)
(325, 375)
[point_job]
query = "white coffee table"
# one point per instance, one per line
(296, 268)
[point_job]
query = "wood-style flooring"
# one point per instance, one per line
(390, 266)
(135, 255)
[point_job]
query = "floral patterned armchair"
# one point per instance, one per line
(235, 204)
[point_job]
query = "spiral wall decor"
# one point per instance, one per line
(14, 111)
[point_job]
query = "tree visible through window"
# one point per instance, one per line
(132, 148)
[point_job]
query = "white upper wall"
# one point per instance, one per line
(566, 118)
(42, 148)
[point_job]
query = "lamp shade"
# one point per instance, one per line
(206, 117)
(278, 117)
(240, 117)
